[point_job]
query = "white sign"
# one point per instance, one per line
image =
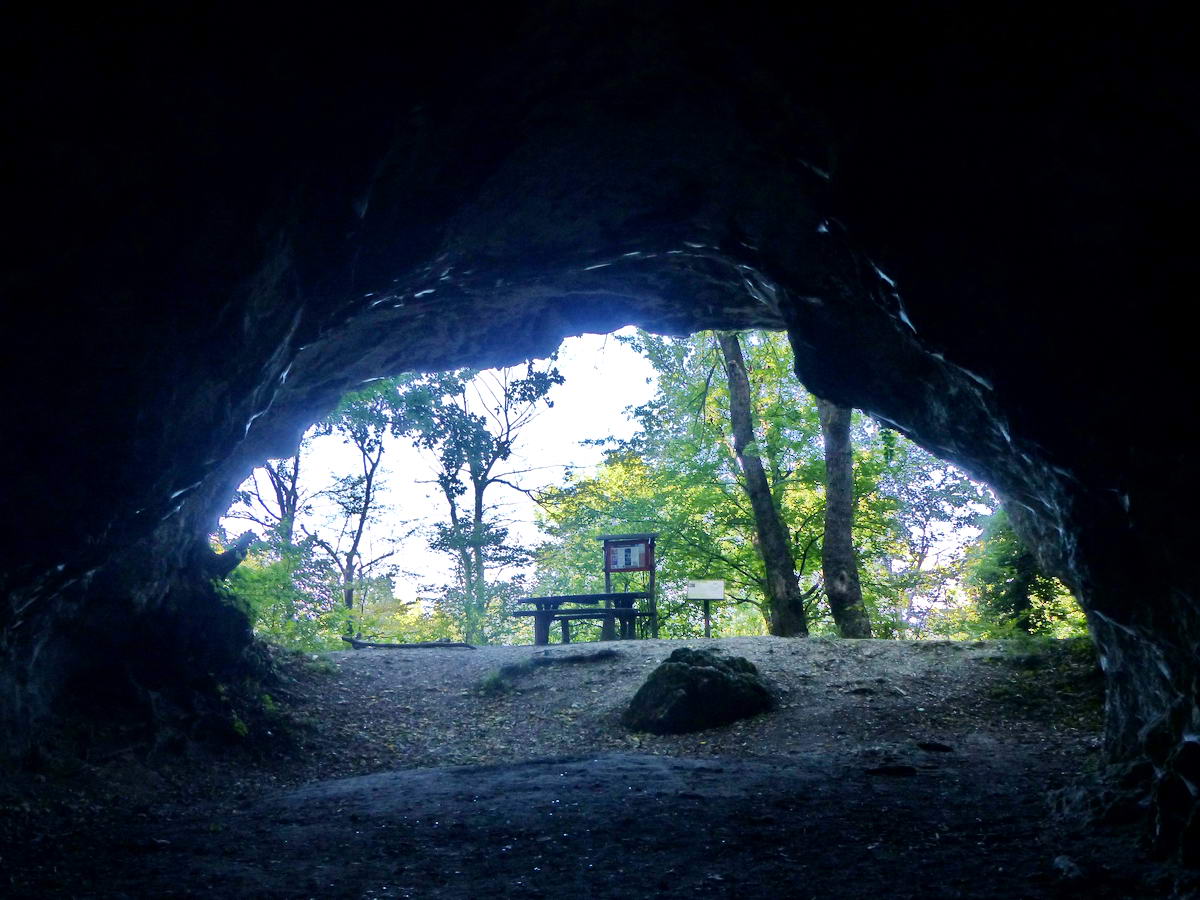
(706, 590)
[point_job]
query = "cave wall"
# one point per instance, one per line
(965, 219)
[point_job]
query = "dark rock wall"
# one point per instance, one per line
(968, 221)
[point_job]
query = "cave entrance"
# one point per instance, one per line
(425, 506)
(255, 240)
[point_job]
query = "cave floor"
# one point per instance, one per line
(891, 769)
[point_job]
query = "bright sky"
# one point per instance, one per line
(603, 378)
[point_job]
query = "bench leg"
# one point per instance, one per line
(541, 629)
(608, 629)
(566, 629)
(627, 633)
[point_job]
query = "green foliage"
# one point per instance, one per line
(679, 476)
(493, 684)
(295, 601)
(307, 594)
(483, 618)
(291, 597)
(363, 418)
(291, 585)
(470, 424)
(1010, 589)
(916, 517)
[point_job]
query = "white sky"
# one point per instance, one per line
(603, 378)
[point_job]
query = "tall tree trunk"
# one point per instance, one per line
(837, 551)
(284, 476)
(785, 600)
(466, 563)
(478, 590)
(348, 576)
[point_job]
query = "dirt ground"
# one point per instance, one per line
(889, 769)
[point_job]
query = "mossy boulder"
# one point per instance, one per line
(697, 689)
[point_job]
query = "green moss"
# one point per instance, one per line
(493, 684)
(319, 665)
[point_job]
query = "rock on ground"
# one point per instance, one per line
(697, 689)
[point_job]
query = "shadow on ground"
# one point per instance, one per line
(889, 769)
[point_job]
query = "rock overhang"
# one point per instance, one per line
(245, 258)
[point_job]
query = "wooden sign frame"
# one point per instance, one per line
(645, 541)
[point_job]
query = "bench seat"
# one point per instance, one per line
(623, 615)
(580, 613)
(555, 602)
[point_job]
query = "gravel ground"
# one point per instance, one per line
(901, 769)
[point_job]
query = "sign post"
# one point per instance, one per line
(707, 590)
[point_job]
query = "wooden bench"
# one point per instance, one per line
(619, 610)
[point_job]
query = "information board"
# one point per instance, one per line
(711, 589)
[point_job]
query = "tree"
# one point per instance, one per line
(785, 598)
(1008, 584)
(707, 522)
(277, 511)
(363, 419)
(701, 534)
(275, 498)
(838, 560)
(934, 509)
(289, 596)
(471, 422)
(680, 476)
